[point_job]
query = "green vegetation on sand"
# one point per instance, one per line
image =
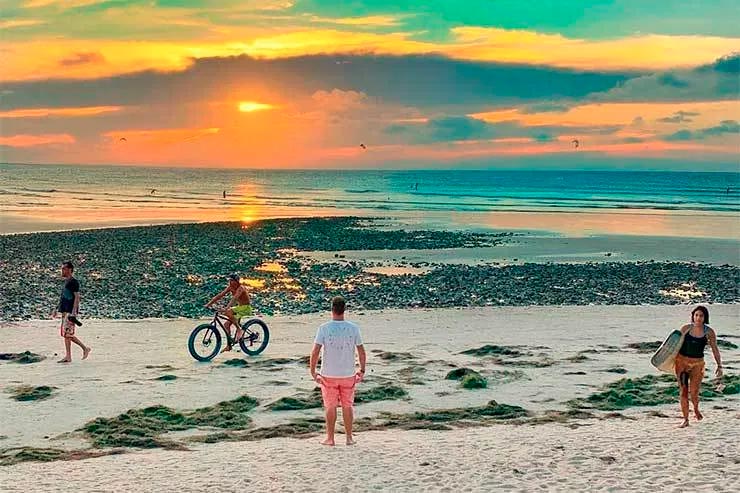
(142, 427)
(649, 390)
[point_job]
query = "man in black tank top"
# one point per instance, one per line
(69, 306)
(690, 361)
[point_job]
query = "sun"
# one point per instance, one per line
(250, 106)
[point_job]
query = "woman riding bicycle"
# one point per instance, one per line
(239, 306)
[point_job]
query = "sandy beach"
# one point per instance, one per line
(565, 353)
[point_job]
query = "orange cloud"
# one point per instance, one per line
(44, 112)
(653, 52)
(36, 140)
(594, 114)
(38, 59)
(20, 23)
(367, 21)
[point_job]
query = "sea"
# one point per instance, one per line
(52, 197)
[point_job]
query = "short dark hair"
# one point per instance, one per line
(338, 304)
(68, 265)
(702, 309)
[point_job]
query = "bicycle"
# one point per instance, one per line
(205, 340)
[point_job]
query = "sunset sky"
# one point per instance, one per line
(435, 83)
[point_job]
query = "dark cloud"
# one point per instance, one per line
(729, 64)
(418, 80)
(718, 80)
(669, 79)
(724, 127)
(679, 117)
(462, 128)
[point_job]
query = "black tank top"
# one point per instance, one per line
(693, 347)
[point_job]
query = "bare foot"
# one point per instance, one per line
(685, 424)
(227, 348)
(86, 352)
(328, 443)
(699, 416)
(350, 441)
(64, 360)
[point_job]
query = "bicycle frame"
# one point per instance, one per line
(218, 321)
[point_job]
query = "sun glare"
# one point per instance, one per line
(250, 106)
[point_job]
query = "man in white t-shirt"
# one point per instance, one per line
(338, 377)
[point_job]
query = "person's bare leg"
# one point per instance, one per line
(85, 349)
(331, 421)
(239, 332)
(68, 351)
(227, 328)
(348, 418)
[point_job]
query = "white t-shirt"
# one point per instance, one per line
(339, 338)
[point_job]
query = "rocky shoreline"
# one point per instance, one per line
(171, 271)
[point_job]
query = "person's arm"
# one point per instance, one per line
(712, 339)
(363, 359)
(313, 360)
(76, 307)
(217, 297)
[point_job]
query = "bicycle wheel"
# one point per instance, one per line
(205, 342)
(256, 336)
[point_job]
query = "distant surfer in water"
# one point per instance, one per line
(690, 360)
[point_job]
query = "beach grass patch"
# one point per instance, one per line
(389, 356)
(142, 428)
(24, 358)
(460, 373)
(16, 455)
(645, 347)
(274, 362)
(541, 363)
(160, 367)
(726, 344)
(31, 393)
(314, 399)
(471, 381)
(236, 362)
(649, 390)
(493, 350)
(491, 411)
(380, 393)
(166, 378)
(616, 369)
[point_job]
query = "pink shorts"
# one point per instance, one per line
(338, 391)
(67, 328)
